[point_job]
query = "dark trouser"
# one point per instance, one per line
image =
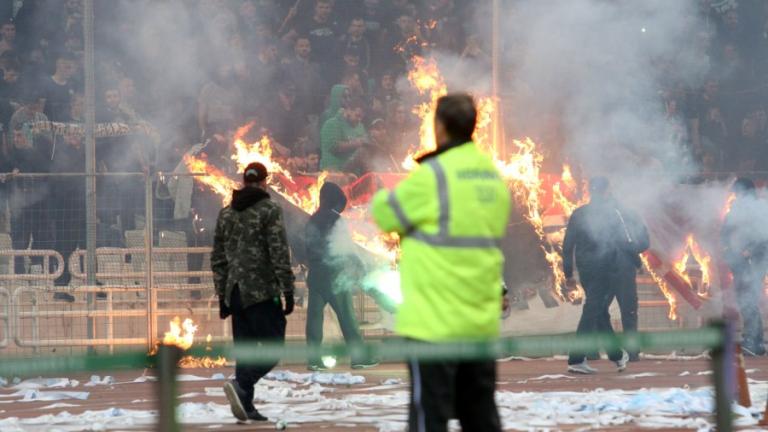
(70, 219)
(748, 282)
(441, 391)
(32, 223)
(341, 304)
(261, 322)
(626, 297)
(599, 288)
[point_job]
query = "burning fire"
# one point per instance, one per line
(426, 78)
(523, 172)
(214, 178)
(182, 335)
(246, 153)
(567, 181)
(704, 261)
(662, 284)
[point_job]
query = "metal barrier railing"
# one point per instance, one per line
(717, 337)
(45, 275)
(5, 316)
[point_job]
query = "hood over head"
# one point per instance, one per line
(246, 197)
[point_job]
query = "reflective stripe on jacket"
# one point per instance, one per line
(451, 214)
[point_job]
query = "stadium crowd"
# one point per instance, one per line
(318, 76)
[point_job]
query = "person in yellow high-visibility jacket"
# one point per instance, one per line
(451, 214)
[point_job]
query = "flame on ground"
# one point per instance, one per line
(182, 335)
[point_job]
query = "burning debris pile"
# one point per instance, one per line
(182, 335)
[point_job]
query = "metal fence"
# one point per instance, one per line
(152, 263)
(153, 239)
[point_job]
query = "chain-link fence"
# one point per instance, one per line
(154, 235)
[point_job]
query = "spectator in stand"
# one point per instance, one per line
(404, 43)
(121, 154)
(305, 75)
(714, 139)
(128, 105)
(699, 107)
(10, 87)
(339, 96)
(375, 20)
(322, 31)
(68, 193)
(473, 51)
(342, 136)
(751, 148)
(31, 222)
(219, 101)
(355, 42)
(77, 109)
(266, 69)
(59, 88)
(399, 125)
(284, 119)
(379, 153)
(385, 94)
(444, 30)
(7, 37)
(33, 66)
(111, 111)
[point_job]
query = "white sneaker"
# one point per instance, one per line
(582, 368)
(621, 364)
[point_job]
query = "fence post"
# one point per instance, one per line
(148, 245)
(167, 363)
(722, 363)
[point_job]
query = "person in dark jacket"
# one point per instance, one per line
(606, 240)
(331, 272)
(745, 250)
(251, 265)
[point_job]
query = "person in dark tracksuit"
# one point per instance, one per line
(326, 273)
(606, 240)
(251, 266)
(745, 250)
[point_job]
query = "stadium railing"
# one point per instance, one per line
(716, 337)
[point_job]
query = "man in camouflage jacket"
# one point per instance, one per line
(251, 265)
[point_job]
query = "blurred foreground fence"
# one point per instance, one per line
(717, 338)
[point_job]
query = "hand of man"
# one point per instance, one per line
(223, 308)
(289, 304)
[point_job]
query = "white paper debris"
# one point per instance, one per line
(97, 380)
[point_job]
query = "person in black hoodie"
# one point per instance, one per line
(332, 265)
(606, 240)
(251, 264)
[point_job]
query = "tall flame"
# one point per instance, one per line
(523, 173)
(703, 259)
(181, 334)
(662, 284)
(425, 77)
(246, 153)
(214, 178)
